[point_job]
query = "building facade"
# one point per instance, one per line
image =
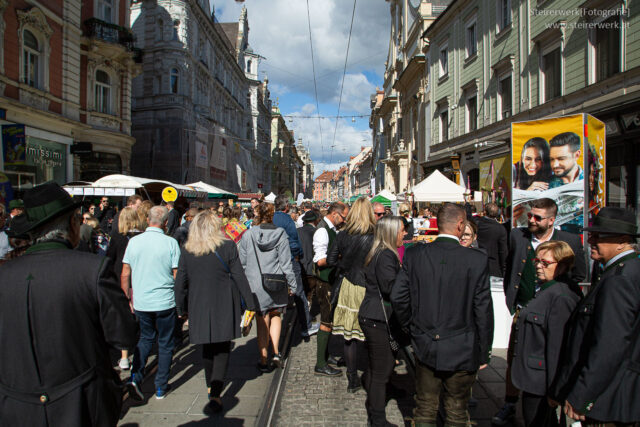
(360, 172)
(490, 67)
(322, 186)
(306, 185)
(287, 167)
(190, 105)
(65, 90)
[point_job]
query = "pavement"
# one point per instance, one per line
(243, 398)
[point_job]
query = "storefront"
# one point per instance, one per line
(31, 156)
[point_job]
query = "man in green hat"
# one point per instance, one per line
(61, 311)
(599, 374)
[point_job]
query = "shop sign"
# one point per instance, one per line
(631, 121)
(44, 156)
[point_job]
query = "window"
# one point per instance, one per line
(159, 30)
(607, 46)
(31, 56)
(444, 62)
(551, 74)
(173, 80)
(105, 10)
(505, 98)
(249, 66)
(444, 124)
(103, 92)
(504, 14)
(472, 45)
(472, 113)
(176, 25)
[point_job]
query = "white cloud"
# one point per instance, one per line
(356, 94)
(308, 109)
(279, 31)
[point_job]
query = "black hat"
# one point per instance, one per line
(17, 227)
(42, 204)
(615, 221)
(309, 216)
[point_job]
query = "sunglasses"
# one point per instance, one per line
(544, 262)
(536, 217)
(378, 213)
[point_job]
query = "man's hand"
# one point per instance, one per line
(483, 366)
(322, 262)
(552, 402)
(572, 413)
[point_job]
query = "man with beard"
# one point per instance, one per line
(598, 375)
(564, 153)
(520, 278)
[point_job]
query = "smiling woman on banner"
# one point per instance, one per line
(533, 171)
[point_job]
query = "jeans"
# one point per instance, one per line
(455, 388)
(155, 325)
(215, 357)
(381, 363)
(302, 305)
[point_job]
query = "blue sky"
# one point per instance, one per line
(279, 31)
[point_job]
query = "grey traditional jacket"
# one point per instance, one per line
(274, 256)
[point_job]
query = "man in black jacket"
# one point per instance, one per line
(442, 295)
(599, 372)
(492, 237)
(60, 310)
(520, 278)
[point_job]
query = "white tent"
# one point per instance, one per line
(437, 188)
(211, 189)
(271, 198)
(387, 195)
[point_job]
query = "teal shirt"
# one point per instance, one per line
(152, 256)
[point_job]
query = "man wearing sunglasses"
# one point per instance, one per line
(378, 210)
(598, 375)
(520, 278)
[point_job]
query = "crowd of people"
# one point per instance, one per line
(79, 280)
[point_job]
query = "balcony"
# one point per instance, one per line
(109, 33)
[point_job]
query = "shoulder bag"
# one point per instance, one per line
(270, 282)
(392, 342)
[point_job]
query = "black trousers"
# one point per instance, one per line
(537, 412)
(381, 363)
(215, 357)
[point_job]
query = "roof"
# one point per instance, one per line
(325, 176)
(230, 29)
(249, 196)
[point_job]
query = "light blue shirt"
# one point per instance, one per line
(152, 256)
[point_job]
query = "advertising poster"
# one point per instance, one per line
(14, 144)
(548, 161)
(595, 166)
(495, 180)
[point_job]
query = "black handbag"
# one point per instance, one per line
(270, 282)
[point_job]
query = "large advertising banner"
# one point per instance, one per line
(14, 144)
(549, 160)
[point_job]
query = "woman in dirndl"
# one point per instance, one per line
(348, 253)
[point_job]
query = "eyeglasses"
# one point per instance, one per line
(544, 262)
(536, 217)
(378, 213)
(467, 235)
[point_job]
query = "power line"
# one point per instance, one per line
(315, 84)
(344, 73)
(293, 116)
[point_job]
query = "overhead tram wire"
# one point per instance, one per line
(344, 73)
(315, 84)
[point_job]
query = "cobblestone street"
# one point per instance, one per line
(310, 400)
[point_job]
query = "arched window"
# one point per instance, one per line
(31, 56)
(159, 30)
(103, 92)
(248, 66)
(105, 10)
(173, 80)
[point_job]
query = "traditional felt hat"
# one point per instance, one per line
(615, 221)
(309, 216)
(42, 204)
(16, 204)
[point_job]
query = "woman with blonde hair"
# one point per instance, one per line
(128, 226)
(210, 283)
(143, 213)
(264, 249)
(382, 265)
(348, 253)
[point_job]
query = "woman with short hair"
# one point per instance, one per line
(382, 265)
(540, 328)
(209, 287)
(469, 235)
(348, 253)
(264, 249)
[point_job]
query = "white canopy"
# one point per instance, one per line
(115, 182)
(437, 188)
(211, 189)
(271, 198)
(387, 195)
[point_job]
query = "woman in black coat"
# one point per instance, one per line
(382, 265)
(348, 253)
(540, 327)
(211, 278)
(128, 226)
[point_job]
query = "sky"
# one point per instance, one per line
(279, 31)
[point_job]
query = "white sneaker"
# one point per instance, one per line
(124, 364)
